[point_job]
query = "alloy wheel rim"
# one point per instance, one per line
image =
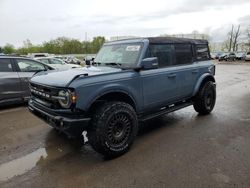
(119, 129)
(209, 100)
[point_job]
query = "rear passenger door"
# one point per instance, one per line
(187, 71)
(9, 80)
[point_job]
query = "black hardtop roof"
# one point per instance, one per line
(176, 40)
(160, 40)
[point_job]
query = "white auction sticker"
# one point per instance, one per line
(133, 48)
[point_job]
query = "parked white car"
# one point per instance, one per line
(57, 64)
(37, 55)
(247, 58)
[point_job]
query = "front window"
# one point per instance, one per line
(163, 52)
(29, 66)
(121, 55)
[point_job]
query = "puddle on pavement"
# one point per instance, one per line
(21, 165)
(55, 148)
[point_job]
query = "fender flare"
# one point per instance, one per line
(106, 91)
(203, 77)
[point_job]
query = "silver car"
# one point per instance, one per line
(57, 64)
(247, 58)
(15, 73)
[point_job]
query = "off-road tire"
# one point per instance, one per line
(105, 125)
(205, 99)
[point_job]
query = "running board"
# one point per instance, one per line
(167, 110)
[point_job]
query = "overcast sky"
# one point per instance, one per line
(42, 20)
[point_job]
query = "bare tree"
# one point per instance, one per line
(231, 38)
(248, 38)
(236, 39)
(231, 44)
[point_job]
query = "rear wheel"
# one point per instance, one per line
(205, 99)
(113, 129)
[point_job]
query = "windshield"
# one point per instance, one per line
(56, 61)
(122, 55)
(46, 61)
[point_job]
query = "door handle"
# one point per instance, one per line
(171, 75)
(195, 72)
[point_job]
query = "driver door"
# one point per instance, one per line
(160, 86)
(26, 69)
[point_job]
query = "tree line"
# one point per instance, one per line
(236, 37)
(61, 45)
(64, 45)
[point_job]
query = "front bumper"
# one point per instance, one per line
(71, 126)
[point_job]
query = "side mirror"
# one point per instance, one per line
(149, 63)
(88, 61)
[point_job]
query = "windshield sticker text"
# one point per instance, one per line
(133, 48)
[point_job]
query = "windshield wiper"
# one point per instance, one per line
(96, 63)
(114, 64)
(119, 65)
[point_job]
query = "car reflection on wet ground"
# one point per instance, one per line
(180, 149)
(21, 165)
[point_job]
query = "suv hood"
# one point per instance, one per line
(63, 78)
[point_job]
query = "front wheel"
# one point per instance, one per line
(113, 128)
(205, 99)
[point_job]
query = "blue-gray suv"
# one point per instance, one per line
(129, 81)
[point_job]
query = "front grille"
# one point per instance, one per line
(43, 95)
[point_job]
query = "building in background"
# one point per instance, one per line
(193, 35)
(122, 37)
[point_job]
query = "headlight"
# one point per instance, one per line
(65, 98)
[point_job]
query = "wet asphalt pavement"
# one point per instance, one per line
(180, 149)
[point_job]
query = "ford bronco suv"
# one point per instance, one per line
(129, 81)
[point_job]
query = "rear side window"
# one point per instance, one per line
(183, 54)
(5, 65)
(202, 52)
(163, 52)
